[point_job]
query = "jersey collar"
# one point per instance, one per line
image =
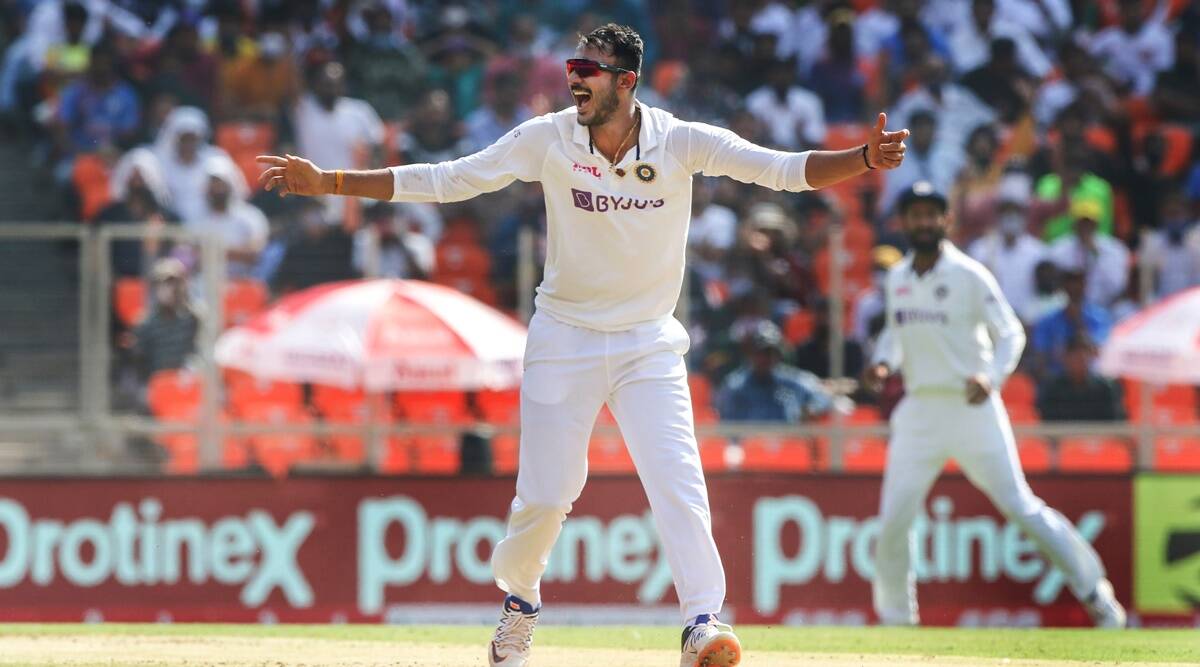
(648, 134)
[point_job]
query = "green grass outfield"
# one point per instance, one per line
(1082, 645)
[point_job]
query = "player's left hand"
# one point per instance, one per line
(978, 388)
(885, 150)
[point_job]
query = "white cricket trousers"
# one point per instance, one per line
(926, 431)
(570, 373)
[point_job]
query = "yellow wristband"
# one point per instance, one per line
(338, 177)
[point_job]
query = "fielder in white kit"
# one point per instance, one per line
(617, 177)
(952, 334)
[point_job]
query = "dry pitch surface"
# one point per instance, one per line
(373, 646)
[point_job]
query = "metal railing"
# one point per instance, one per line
(101, 428)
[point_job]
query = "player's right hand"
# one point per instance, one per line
(291, 175)
(874, 377)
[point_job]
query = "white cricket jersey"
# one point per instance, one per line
(615, 245)
(948, 324)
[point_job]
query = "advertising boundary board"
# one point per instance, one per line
(797, 550)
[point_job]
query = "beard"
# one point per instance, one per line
(603, 109)
(926, 240)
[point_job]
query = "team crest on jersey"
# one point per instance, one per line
(941, 291)
(645, 173)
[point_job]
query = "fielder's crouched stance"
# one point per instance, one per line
(617, 180)
(955, 338)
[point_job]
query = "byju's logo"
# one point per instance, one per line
(583, 199)
(604, 203)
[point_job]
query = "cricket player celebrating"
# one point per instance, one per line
(955, 338)
(617, 178)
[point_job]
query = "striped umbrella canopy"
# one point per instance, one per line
(1161, 344)
(380, 335)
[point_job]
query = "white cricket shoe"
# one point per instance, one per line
(1103, 607)
(514, 636)
(710, 644)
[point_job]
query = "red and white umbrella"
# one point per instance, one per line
(380, 335)
(1160, 345)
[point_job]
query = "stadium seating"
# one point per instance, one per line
(247, 394)
(244, 299)
(1019, 389)
(90, 176)
(174, 394)
(607, 455)
(433, 407)
(505, 453)
(1094, 454)
(129, 301)
(277, 452)
(776, 454)
(244, 142)
(1177, 454)
(499, 407)
(1035, 453)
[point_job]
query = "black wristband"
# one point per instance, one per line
(865, 160)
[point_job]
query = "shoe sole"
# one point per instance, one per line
(723, 650)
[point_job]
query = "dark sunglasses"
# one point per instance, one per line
(589, 68)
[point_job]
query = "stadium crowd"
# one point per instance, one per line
(1060, 130)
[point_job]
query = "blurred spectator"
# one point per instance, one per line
(501, 111)
(1076, 393)
(1075, 184)
(973, 195)
(869, 304)
(794, 116)
(389, 247)
(765, 389)
(335, 131)
(315, 251)
(261, 85)
(1136, 50)
(1009, 251)
(1078, 73)
(1001, 83)
(433, 135)
(183, 70)
(768, 247)
(1173, 251)
(712, 232)
(99, 109)
(1177, 90)
(458, 68)
(1103, 259)
(543, 79)
(1048, 295)
(70, 57)
(184, 154)
(167, 337)
(837, 78)
(925, 160)
(384, 69)
(956, 109)
(974, 41)
(814, 354)
(1078, 318)
(240, 226)
(139, 195)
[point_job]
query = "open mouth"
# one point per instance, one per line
(583, 99)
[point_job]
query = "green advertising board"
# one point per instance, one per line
(1166, 557)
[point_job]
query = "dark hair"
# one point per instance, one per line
(622, 42)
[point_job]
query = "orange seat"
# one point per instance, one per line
(705, 415)
(499, 407)
(174, 394)
(777, 453)
(1035, 454)
(798, 327)
(433, 407)
(505, 454)
(476, 286)
(350, 447)
(436, 454)
(712, 454)
(1094, 454)
(1019, 413)
(845, 135)
(244, 142)
(244, 299)
(859, 237)
(607, 454)
(1177, 400)
(700, 388)
(1020, 389)
(129, 301)
(867, 415)
(247, 393)
(331, 400)
(90, 176)
(277, 452)
(1177, 454)
(463, 260)
(183, 449)
(461, 231)
(864, 455)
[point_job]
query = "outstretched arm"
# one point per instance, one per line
(885, 150)
(715, 151)
(291, 175)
